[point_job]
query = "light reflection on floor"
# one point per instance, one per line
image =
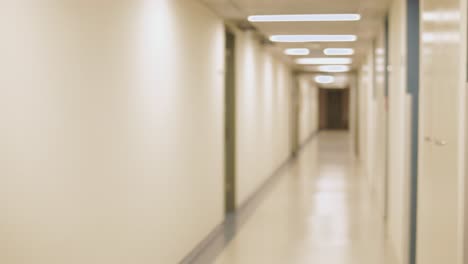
(321, 212)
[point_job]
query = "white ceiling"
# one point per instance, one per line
(372, 12)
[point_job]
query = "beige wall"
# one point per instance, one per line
(366, 105)
(380, 144)
(111, 130)
(309, 107)
(372, 114)
(263, 117)
(399, 114)
(354, 111)
(373, 129)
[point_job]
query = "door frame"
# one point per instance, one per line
(230, 123)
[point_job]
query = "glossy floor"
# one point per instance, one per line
(320, 212)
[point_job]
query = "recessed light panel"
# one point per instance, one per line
(319, 61)
(297, 52)
(334, 68)
(338, 52)
(324, 79)
(305, 18)
(313, 38)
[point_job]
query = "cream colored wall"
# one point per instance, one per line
(354, 111)
(367, 117)
(369, 105)
(372, 129)
(380, 108)
(309, 108)
(263, 118)
(398, 181)
(112, 130)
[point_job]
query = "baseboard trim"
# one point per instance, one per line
(212, 245)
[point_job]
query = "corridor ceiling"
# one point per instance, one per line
(372, 16)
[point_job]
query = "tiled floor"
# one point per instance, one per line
(321, 212)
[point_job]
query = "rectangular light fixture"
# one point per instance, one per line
(305, 18)
(320, 61)
(313, 38)
(297, 52)
(334, 68)
(338, 52)
(324, 79)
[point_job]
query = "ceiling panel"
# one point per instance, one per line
(372, 12)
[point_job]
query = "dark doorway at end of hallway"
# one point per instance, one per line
(334, 109)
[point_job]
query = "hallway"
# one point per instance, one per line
(320, 211)
(205, 131)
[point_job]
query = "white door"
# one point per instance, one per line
(442, 96)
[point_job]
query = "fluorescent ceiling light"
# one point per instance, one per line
(313, 38)
(305, 18)
(317, 61)
(334, 52)
(334, 68)
(297, 52)
(324, 79)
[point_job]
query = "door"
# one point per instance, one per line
(443, 69)
(230, 124)
(334, 109)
